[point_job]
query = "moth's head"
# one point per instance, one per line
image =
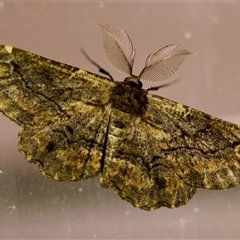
(133, 81)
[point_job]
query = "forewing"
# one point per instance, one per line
(35, 91)
(133, 166)
(118, 48)
(202, 150)
(63, 111)
(164, 63)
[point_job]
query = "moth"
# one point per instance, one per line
(153, 152)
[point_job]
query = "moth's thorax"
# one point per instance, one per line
(128, 98)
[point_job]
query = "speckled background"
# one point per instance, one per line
(32, 206)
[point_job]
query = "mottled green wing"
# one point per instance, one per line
(203, 150)
(61, 109)
(190, 149)
(35, 91)
(161, 157)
